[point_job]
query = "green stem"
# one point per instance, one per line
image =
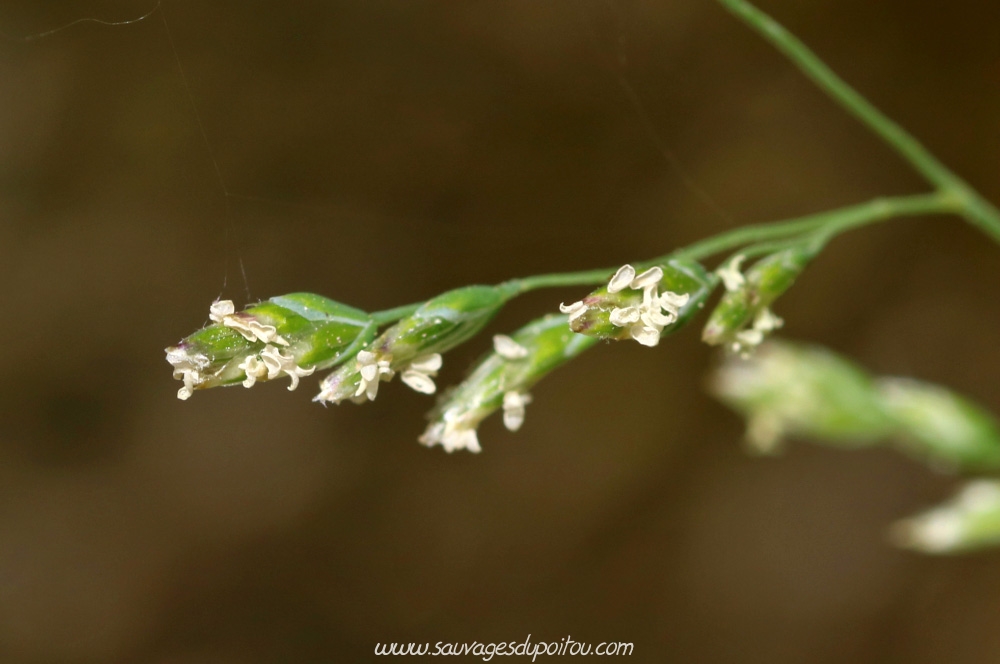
(819, 227)
(837, 221)
(881, 209)
(757, 233)
(970, 205)
(770, 247)
(584, 278)
(394, 314)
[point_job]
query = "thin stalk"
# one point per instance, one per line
(973, 207)
(838, 221)
(819, 227)
(557, 280)
(771, 247)
(394, 314)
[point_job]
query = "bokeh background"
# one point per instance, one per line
(382, 152)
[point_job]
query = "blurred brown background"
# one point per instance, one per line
(380, 153)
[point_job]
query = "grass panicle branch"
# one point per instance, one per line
(782, 389)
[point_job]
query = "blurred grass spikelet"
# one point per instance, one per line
(941, 427)
(967, 522)
(790, 389)
(787, 389)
